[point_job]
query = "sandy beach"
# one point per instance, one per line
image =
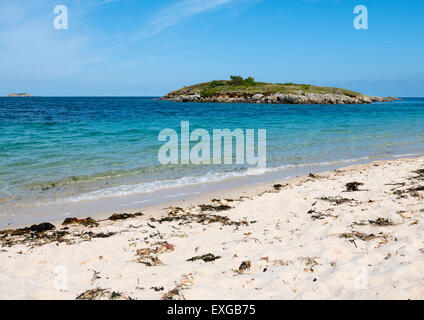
(352, 233)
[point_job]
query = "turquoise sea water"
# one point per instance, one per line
(71, 149)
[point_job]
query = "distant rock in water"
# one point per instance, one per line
(14, 94)
(239, 90)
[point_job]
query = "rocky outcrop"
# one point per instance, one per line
(279, 98)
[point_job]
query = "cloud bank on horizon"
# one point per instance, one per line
(127, 47)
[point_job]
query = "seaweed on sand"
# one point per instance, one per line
(310, 262)
(88, 222)
(157, 289)
(420, 173)
(382, 222)
(176, 293)
(172, 294)
(35, 239)
(176, 210)
(419, 188)
(401, 184)
(45, 233)
(363, 236)
(314, 176)
(200, 218)
(102, 294)
(245, 265)
(379, 222)
(319, 215)
(124, 216)
(151, 262)
(336, 200)
(206, 258)
(36, 228)
(219, 208)
(413, 192)
(91, 235)
(277, 187)
(149, 256)
(39, 234)
(353, 186)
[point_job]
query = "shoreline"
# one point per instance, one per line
(305, 238)
(278, 98)
(192, 194)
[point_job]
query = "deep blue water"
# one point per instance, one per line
(66, 149)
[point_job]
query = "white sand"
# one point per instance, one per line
(294, 253)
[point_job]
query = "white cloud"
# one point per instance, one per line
(174, 14)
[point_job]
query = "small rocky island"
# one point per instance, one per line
(14, 94)
(239, 90)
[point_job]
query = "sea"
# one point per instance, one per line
(63, 156)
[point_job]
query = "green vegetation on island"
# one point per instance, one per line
(239, 85)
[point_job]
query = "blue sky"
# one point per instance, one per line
(144, 47)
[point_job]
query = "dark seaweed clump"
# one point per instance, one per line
(277, 187)
(206, 258)
(91, 235)
(379, 222)
(353, 186)
(125, 216)
(362, 236)
(413, 192)
(245, 265)
(36, 228)
(314, 176)
(382, 222)
(200, 218)
(88, 222)
(45, 233)
(221, 207)
(37, 234)
(315, 215)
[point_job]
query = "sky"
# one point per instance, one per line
(148, 48)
